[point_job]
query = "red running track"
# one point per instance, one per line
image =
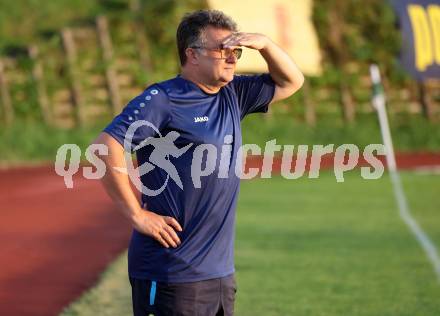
(54, 241)
(404, 161)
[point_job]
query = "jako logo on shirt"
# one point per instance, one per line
(199, 119)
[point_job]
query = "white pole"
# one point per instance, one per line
(404, 211)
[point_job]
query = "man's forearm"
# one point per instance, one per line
(282, 68)
(117, 184)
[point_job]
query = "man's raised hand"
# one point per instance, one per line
(250, 40)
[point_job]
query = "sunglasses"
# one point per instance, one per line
(225, 53)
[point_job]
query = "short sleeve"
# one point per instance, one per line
(254, 92)
(142, 117)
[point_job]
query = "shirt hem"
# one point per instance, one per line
(146, 276)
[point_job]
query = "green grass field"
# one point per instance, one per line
(318, 247)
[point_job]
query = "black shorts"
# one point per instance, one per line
(214, 297)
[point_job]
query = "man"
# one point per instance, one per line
(181, 252)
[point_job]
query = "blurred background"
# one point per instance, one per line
(68, 66)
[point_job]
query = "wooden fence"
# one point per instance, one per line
(85, 78)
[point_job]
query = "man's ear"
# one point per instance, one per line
(191, 56)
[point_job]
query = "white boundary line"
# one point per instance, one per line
(405, 214)
(404, 210)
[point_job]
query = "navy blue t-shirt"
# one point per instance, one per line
(205, 211)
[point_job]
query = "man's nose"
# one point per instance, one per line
(232, 59)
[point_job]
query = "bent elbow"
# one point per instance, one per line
(298, 83)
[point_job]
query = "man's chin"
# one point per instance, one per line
(227, 78)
